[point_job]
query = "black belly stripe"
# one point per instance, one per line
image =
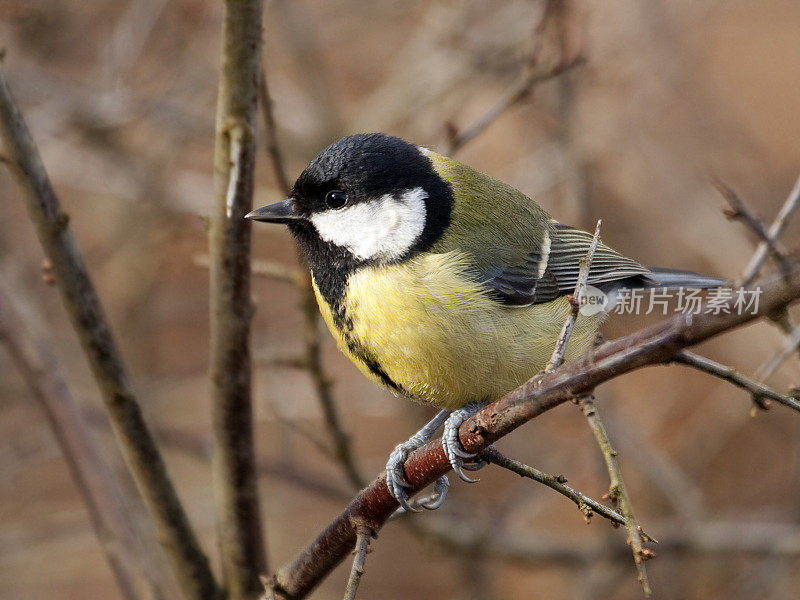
(344, 323)
(332, 267)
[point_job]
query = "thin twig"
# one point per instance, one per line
(312, 360)
(529, 79)
(83, 307)
(585, 504)
(575, 301)
(739, 210)
(239, 522)
(772, 364)
(268, 269)
(774, 232)
(92, 475)
(364, 536)
(271, 138)
(654, 345)
(617, 491)
(760, 393)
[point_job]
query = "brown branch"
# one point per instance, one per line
(92, 475)
(239, 520)
(83, 307)
(271, 138)
(651, 346)
(617, 492)
(518, 91)
(760, 393)
(585, 504)
(774, 232)
(268, 269)
(363, 537)
(739, 210)
(557, 359)
(772, 364)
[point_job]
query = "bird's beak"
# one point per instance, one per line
(284, 211)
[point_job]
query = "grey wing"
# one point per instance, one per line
(552, 270)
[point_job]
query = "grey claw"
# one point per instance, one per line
(440, 487)
(461, 453)
(452, 445)
(475, 466)
(460, 473)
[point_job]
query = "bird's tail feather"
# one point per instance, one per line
(673, 278)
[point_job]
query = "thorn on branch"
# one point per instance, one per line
(48, 275)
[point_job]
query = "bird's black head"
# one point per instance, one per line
(365, 199)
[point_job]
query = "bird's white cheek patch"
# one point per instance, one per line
(383, 229)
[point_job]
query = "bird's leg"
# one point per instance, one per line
(395, 476)
(452, 445)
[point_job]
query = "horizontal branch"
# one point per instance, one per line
(651, 346)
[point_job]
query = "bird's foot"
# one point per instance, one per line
(452, 445)
(395, 475)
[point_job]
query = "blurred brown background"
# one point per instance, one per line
(120, 97)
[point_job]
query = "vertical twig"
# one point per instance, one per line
(308, 305)
(364, 535)
(234, 466)
(772, 364)
(617, 492)
(83, 307)
(774, 232)
(271, 134)
(575, 301)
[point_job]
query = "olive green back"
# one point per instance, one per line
(500, 234)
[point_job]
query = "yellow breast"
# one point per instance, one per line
(432, 331)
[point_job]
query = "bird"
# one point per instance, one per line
(441, 283)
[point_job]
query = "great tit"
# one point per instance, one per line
(439, 282)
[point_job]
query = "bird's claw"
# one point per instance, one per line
(452, 445)
(395, 477)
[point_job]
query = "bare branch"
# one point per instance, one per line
(585, 504)
(774, 232)
(738, 210)
(557, 359)
(269, 269)
(239, 521)
(617, 492)
(91, 473)
(790, 346)
(271, 137)
(83, 307)
(363, 537)
(760, 393)
(651, 346)
(530, 78)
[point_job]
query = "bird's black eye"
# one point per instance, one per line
(335, 199)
